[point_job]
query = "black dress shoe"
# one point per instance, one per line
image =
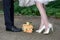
(14, 29)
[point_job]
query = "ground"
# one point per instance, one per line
(19, 20)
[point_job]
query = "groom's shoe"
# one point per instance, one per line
(14, 29)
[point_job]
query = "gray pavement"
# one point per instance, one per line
(19, 20)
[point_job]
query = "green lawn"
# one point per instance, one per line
(52, 9)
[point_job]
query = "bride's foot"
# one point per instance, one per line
(41, 29)
(47, 31)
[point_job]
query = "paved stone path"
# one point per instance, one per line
(19, 20)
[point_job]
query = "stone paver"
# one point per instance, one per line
(19, 20)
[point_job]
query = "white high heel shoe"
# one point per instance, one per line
(50, 27)
(41, 29)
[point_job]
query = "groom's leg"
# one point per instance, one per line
(12, 12)
(7, 6)
(9, 16)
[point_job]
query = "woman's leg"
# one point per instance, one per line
(42, 11)
(42, 23)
